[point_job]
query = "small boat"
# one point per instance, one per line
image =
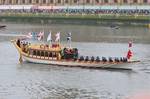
(114, 26)
(55, 54)
(2, 26)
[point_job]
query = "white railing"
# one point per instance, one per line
(102, 7)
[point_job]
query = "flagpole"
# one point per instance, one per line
(59, 38)
(43, 29)
(69, 39)
(50, 33)
(43, 35)
(70, 42)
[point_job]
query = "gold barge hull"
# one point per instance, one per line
(82, 64)
(70, 63)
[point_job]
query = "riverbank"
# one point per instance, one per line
(94, 19)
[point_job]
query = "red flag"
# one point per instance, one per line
(129, 54)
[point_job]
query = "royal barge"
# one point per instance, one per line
(55, 54)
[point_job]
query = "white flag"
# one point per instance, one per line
(57, 37)
(49, 38)
(29, 35)
(40, 36)
(69, 36)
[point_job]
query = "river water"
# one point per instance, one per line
(37, 81)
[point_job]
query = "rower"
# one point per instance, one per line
(125, 59)
(81, 58)
(104, 59)
(121, 60)
(86, 58)
(75, 53)
(97, 59)
(110, 59)
(116, 59)
(92, 59)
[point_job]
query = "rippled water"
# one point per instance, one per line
(37, 81)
